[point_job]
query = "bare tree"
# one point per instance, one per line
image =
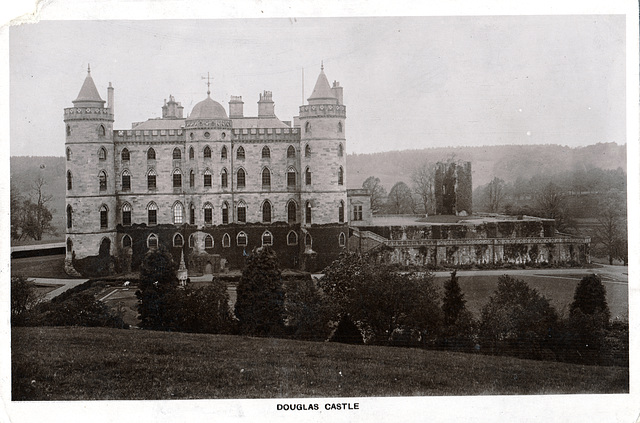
(611, 227)
(423, 185)
(551, 204)
(495, 194)
(35, 216)
(377, 192)
(400, 199)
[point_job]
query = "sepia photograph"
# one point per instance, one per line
(332, 216)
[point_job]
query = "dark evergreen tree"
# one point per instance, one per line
(590, 297)
(260, 301)
(347, 332)
(158, 283)
(307, 309)
(453, 302)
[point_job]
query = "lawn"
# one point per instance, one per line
(70, 363)
(40, 267)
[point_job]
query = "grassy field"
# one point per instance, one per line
(40, 267)
(95, 363)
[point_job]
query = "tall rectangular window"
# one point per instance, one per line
(242, 214)
(153, 217)
(225, 215)
(126, 182)
(357, 212)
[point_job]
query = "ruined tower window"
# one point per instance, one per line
(241, 239)
(102, 131)
(192, 215)
(104, 217)
(240, 153)
(126, 181)
(341, 212)
(191, 153)
(69, 180)
(342, 239)
(178, 241)
(307, 176)
(178, 213)
(177, 154)
(102, 177)
(102, 153)
(292, 238)
(151, 179)
(266, 178)
(208, 214)
(223, 152)
(177, 178)
(124, 156)
(266, 153)
(292, 212)
(207, 178)
(307, 151)
(126, 214)
(266, 212)
(291, 178)
(340, 176)
(339, 126)
(69, 154)
(69, 216)
(68, 130)
(226, 241)
(192, 179)
(267, 238)
(240, 179)
(152, 241)
(223, 178)
(225, 213)
(307, 127)
(242, 212)
(152, 214)
(208, 241)
(151, 154)
(340, 150)
(307, 213)
(291, 152)
(126, 241)
(207, 152)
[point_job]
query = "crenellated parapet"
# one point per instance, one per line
(88, 113)
(155, 135)
(209, 124)
(266, 134)
(323, 110)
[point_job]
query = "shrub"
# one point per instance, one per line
(307, 310)
(23, 299)
(347, 332)
(81, 309)
(590, 297)
(156, 293)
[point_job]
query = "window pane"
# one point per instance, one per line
(242, 214)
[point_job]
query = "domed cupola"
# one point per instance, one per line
(208, 109)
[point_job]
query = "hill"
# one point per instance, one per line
(75, 363)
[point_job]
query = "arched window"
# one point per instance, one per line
(192, 214)
(240, 153)
(339, 126)
(178, 213)
(69, 154)
(102, 178)
(207, 178)
(208, 213)
(151, 154)
(152, 213)
(152, 241)
(126, 241)
(292, 211)
(242, 212)
(267, 238)
(291, 177)
(192, 179)
(266, 153)
(126, 180)
(291, 152)
(208, 241)
(340, 176)
(104, 217)
(192, 135)
(126, 214)
(240, 180)
(69, 245)
(341, 212)
(69, 216)
(178, 241)
(340, 150)
(102, 131)
(124, 155)
(307, 176)
(292, 238)
(307, 127)
(177, 178)
(266, 178)
(307, 213)
(191, 153)
(102, 153)
(69, 180)
(266, 212)
(307, 151)
(226, 241)
(223, 152)
(308, 241)
(225, 213)
(151, 179)
(177, 154)
(223, 178)
(207, 152)
(68, 131)
(192, 240)
(241, 239)
(342, 239)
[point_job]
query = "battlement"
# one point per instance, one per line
(266, 134)
(88, 113)
(148, 135)
(322, 110)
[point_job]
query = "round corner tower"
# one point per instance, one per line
(90, 180)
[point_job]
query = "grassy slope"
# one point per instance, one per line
(84, 363)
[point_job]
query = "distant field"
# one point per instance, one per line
(40, 267)
(74, 363)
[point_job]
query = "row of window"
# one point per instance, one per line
(242, 240)
(179, 216)
(125, 155)
(241, 178)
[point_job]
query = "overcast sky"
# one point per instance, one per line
(408, 82)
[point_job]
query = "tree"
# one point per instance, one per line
(201, 310)
(307, 310)
(31, 217)
(590, 297)
(400, 200)
(458, 330)
(551, 204)
(423, 185)
(495, 194)
(260, 302)
(158, 283)
(377, 192)
(453, 302)
(611, 228)
(23, 298)
(517, 320)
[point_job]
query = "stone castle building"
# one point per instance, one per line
(209, 186)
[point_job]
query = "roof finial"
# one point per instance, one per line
(89, 68)
(208, 84)
(322, 65)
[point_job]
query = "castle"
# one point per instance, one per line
(209, 187)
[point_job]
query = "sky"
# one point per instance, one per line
(409, 82)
